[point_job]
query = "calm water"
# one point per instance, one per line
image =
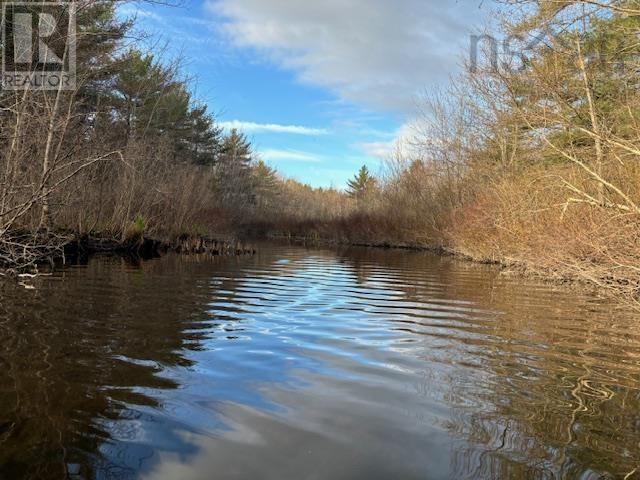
(313, 364)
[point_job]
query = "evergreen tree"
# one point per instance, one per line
(151, 103)
(202, 141)
(150, 100)
(99, 35)
(233, 176)
(265, 185)
(362, 184)
(235, 151)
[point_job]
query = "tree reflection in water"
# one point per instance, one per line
(80, 350)
(369, 362)
(555, 388)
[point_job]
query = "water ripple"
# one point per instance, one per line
(317, 363)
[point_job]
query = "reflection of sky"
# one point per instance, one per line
(313, 363)
(300, 348)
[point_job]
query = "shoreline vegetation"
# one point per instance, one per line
(63, 247)
(507, 266)
(533, 165)
(530, 161)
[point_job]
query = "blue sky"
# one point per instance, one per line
(322, 87)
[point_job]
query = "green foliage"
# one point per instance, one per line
(551, 90)
(233, 180)
(264, 175)
(140, 224)
(136, 229)
(362, 184)
(266, 185)
(100, 33)
(151, 101)
(201, 139)
(235, 151)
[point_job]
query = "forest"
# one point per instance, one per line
(532, 164)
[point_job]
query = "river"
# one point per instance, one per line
(313, 364)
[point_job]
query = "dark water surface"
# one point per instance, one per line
(314, 364)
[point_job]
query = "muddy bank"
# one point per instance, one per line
(607, 286)
(149, 248)
(26, 253)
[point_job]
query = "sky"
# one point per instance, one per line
(320, 87)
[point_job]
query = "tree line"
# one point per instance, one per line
(534, 164)
(129, 150)
(532, 160)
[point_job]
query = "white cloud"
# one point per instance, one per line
(295, 155)
(251, 127)
(382, 150)
(401, 141)
(377, 53)
(137, 12)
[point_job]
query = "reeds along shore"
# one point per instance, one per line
(535, 164)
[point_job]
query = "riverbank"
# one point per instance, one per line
(562, 274)
(534, 168)
(149, 247)
(56, 248)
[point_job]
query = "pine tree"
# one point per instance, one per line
(235, 150)
(233, 176)
(265, 185)
(150, 100)
(202, 143)
(99, 34)
(362, 184)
